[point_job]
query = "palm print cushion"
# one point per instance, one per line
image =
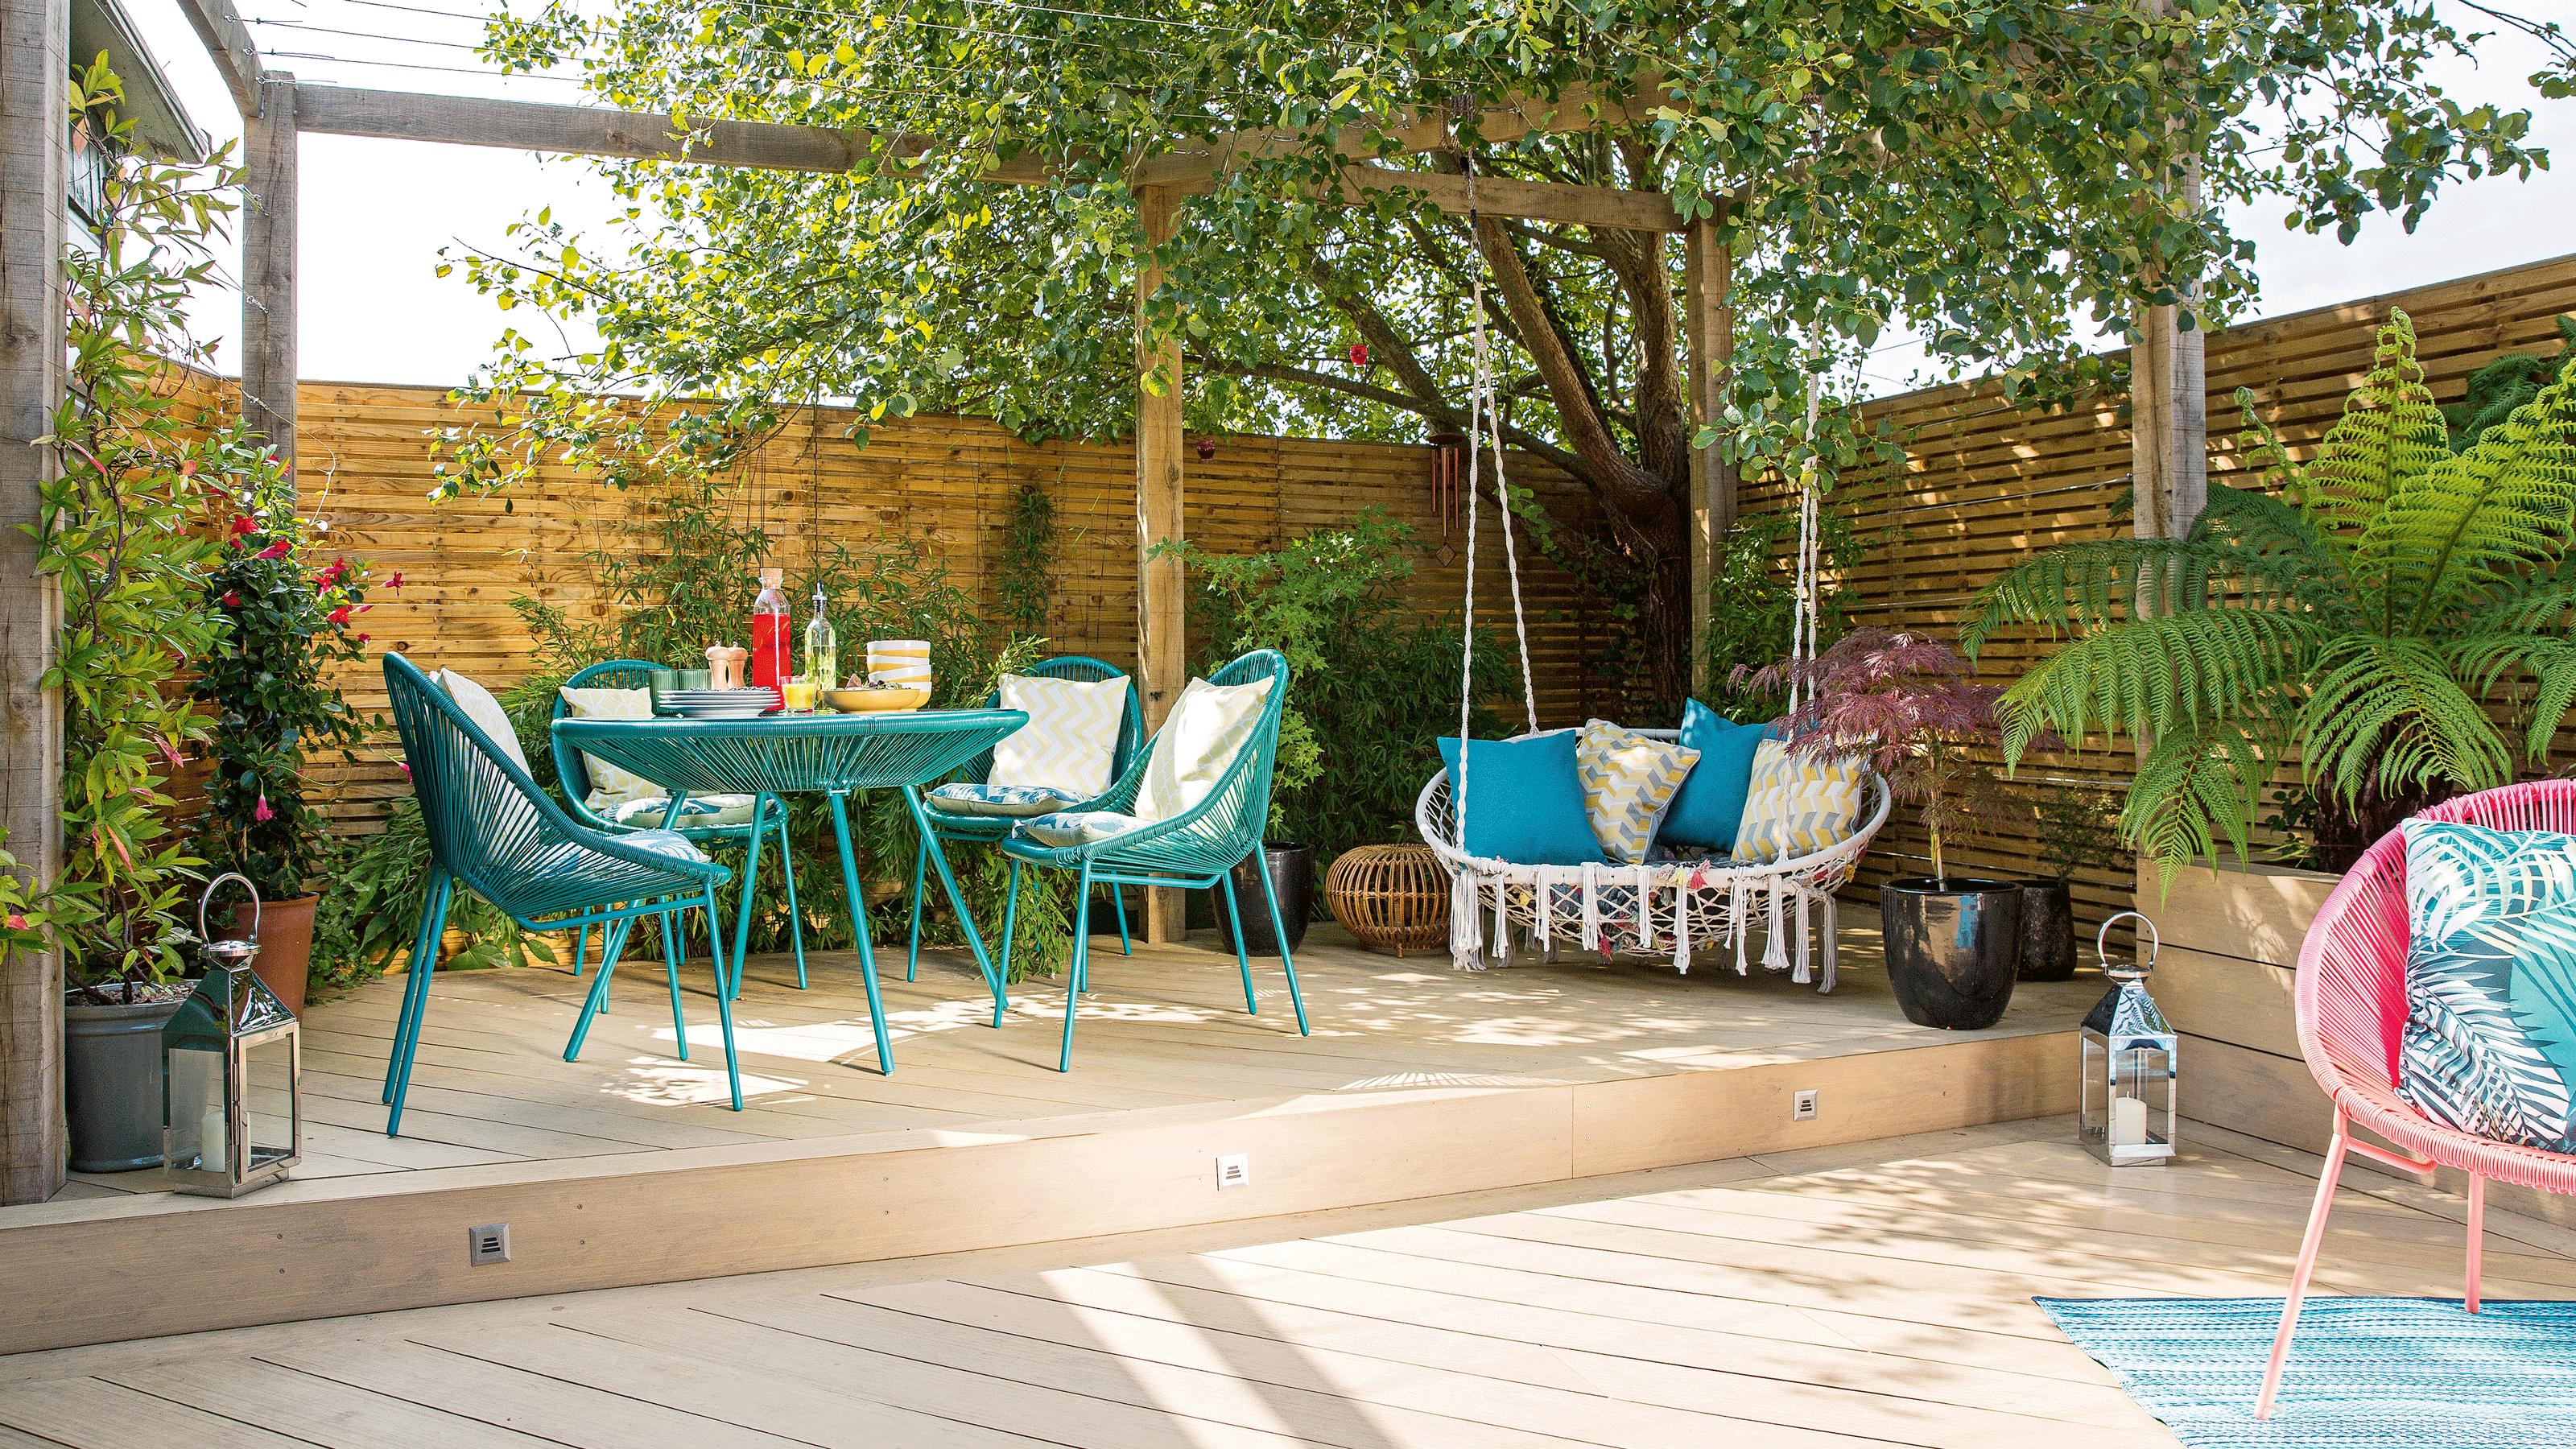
(2490, 1044)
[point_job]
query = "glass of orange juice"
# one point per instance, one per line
(799, 695)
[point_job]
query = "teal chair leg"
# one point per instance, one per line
(1077, 971)
(1242, 959)
(724, 1006)
(750, 875)
(412, 977)
(1118, 904)
(858, 928)
(1010, 928)
(612, 944)
(1279, 932)
(956, 902)
(424, 965)
(795, 921)
(671, 968)
(580, 949)
(920, 875)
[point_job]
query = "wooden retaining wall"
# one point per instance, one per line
(1985, 483)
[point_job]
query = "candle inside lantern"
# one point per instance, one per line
(2128, 1122)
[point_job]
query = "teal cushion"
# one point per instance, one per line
(1710, 806)
(1007, 800)
(1067, 829)
(2490, 1040)
(1524, 801)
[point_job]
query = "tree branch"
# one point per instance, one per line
(1431, 410)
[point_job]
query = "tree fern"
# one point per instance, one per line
(2359, 616)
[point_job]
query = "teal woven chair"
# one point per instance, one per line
(987, 829)
(1197, 849)
(572, 767)
(491, 829)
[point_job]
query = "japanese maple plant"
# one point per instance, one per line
(1911, 704)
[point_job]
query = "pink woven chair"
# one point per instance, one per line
(2351, 998)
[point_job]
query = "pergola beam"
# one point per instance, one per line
(643, 136)
(228, 42)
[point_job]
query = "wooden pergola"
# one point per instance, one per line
(276, 109)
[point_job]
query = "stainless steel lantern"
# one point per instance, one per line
(233, 1095)
(2129, 1112)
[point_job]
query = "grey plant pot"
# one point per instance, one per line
(112, 1083)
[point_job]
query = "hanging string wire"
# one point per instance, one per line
(1802, 626)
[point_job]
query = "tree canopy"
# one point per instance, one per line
(2003, 175)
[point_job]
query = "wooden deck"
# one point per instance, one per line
(626, 1168)
(1871, 1294)
(1163, 1028)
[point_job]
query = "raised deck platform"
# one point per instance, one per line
(625, 1169)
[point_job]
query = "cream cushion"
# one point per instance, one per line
(1081, 827)
(1209, 726)
(1795, 805)
(1070, 740)
(1629, 781)
(696, 813)
(485, 711)
(606, 780)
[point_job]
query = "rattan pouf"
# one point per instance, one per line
(1394, 898)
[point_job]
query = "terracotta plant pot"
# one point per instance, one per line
(285, 945)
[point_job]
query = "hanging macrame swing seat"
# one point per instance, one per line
(1669, 909)
(1662, 909)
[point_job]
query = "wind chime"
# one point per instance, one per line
(1448, 466)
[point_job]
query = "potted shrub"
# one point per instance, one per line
(2357, 621)
(2078, 830)
(1908, 703)
(118, 532)
(291, 620)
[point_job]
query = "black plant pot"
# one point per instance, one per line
(112, 1083)
(1953, 948)
(1103, 916)
(1292, 875)
(2047, 931)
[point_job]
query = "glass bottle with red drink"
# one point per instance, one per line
(772, 664)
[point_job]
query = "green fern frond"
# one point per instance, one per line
(2086, 587)
(2390, 430)
(2386, 712)
(2486, 517)
(2555, 694)
(2270, 458)
(2197, 789)
(2154, 675)
(2538, 600)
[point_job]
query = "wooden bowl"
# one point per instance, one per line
(876, 701)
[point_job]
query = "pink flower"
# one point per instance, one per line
(18, 922)
(232, 600)
(278, 549)
(1359, 354)
(406, 768)
(242, 525)
(363, 638)
(397, 583)
(341, 614)
(263, 812)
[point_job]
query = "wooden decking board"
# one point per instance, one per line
(1165, 1028)
(1512, 1319)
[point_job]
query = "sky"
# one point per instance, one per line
(375, 213)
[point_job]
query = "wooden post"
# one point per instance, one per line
(268, 265)
(35, 123)
(1708, 323)
(1162, 641)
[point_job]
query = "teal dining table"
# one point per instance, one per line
(836, 756)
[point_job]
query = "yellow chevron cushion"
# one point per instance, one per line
(1629, 781)
(1796, 805)
(1071, 738)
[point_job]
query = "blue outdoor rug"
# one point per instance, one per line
(2390, 1373)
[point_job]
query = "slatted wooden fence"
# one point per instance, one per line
(1985, 483)
(366, 454)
